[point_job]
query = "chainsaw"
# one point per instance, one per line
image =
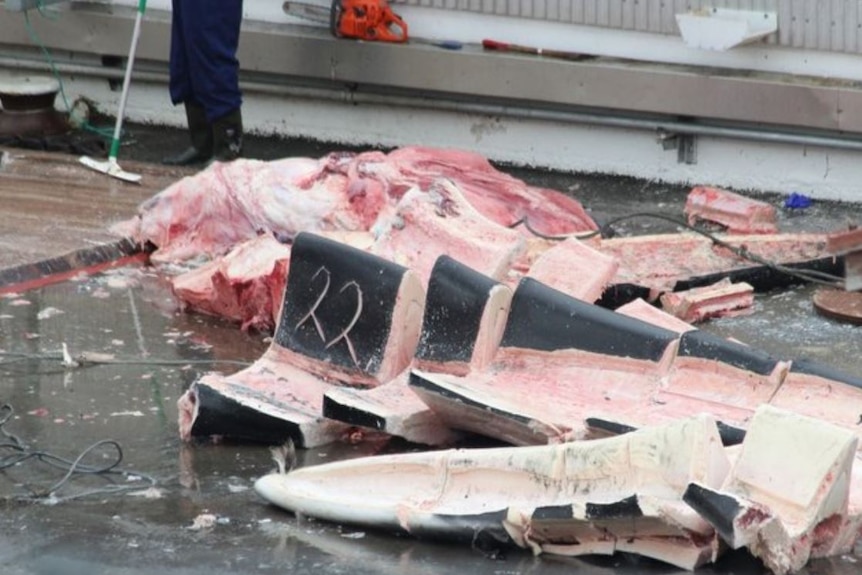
(371, 20)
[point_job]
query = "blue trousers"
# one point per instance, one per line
(203, 64)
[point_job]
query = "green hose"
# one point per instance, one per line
(34, 37)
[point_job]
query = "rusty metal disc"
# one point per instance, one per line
(841, 305)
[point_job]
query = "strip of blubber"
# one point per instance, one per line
(90, 260)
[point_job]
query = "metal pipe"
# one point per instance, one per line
(486, 109)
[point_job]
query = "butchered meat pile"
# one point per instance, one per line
(237, 221)
(410, 205)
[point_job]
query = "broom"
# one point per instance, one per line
(111, 167)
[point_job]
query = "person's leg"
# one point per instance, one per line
(181, 90)
(179, 85)
(215, 72)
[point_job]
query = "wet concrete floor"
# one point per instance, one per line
(154, 351)
(52, 204)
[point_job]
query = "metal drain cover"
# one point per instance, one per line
(27, 107)
(841, 305)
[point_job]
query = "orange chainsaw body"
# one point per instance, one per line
(371, 20)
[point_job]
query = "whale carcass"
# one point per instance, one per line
(430, 302)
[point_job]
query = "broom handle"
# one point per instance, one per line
(127, 79)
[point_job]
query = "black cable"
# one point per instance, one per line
(526, 223)
(812, 276)
(20, 453)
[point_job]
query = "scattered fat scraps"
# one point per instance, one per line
(576, 269)
(739, 214)
(644, 311)
(203, 521)
(722, 298)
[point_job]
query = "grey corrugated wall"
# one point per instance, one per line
(832, 25)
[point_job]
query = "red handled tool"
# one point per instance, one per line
(506, 47)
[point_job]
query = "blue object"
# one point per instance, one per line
(449, 45)
(797, 201)
(203, 64)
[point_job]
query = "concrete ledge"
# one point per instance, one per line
(297, 55)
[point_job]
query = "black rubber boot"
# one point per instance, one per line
(201, 136)
(227, 137)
